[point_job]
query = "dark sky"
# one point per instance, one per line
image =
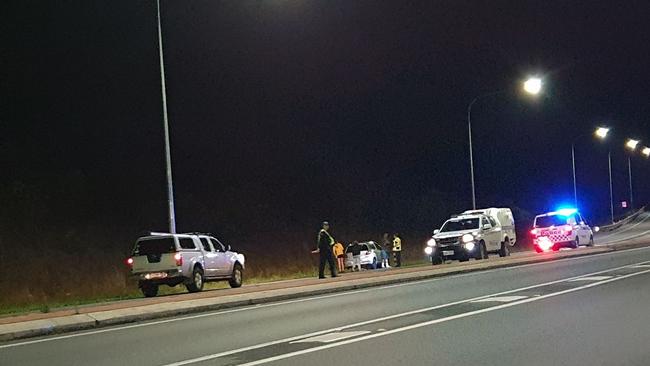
(284, 113)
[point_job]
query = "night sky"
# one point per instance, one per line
(284, 113)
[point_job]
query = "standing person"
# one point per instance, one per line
(386, 249)
(339, 255)
(325, 243)
(397, 250)
(356, 256)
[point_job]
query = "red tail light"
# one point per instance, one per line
(129, 262)
(535, 232)
(179, 259)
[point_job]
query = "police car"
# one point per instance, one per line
(565, 228)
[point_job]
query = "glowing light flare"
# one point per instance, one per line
(544, 243)
(533, 85)
(179, 259)
(566, 211)
(646, 151)
(428, 250)
(535, 231)
(129, 262)
(601, 132)
(632, 144)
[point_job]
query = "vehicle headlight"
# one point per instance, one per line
(431, 242)
(467, 238)
(469, 246)
(428, 250)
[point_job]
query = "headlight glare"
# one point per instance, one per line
(431, 242)
(467, 238)
(428, 250)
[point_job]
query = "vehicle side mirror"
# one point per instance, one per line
(487, 227)
(596, 228)
(436, 231)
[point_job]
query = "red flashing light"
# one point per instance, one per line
(179, 259)
(129, 262)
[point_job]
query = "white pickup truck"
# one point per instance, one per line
(189, 259)
(473, 234)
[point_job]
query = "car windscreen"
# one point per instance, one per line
(154, 246)
(548, 221)
(459, 225)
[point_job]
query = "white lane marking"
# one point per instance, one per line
(591, 278)
(261, 306)
(641, 266)
(501, 299)
(436, 321)
(332, 337)
(376, 320)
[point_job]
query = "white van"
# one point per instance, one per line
(503, 216)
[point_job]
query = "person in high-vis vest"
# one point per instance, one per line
(325, 244)
(397, 250)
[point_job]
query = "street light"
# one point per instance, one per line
(168, 158)
(646, 151)
(601, 133)
(532, 86)
(631, 144)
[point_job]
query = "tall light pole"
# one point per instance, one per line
(168, 157)
(601, 133)
(531, 86)
(611, 191)
(631, 144)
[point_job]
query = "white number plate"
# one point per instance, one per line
(447, 252)
(155, 275)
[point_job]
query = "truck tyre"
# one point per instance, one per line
(481, 252)
(237, 276)
(576, 243)
(149, 289)
(435, 260)
(505, 249)
(196, 283)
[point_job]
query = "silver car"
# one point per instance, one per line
(189, 259)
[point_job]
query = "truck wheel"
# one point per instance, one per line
(197, 280)
(237, 276)
(481, 252)
(505, 249)
(576, 243)
(149, 289)
(435, 260)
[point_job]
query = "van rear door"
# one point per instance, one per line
(154, 254)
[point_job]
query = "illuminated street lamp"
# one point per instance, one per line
(631, 144)
(532, 86)
(601, 132)
(646, 151)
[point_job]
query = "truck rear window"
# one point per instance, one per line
(154, 246)
(548, 221)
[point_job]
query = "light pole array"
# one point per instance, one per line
(532, 86)
(631, 144)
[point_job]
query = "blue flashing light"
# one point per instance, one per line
(566, 211)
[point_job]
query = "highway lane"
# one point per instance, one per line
(188, 339)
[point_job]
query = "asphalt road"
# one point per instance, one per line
(533, 315)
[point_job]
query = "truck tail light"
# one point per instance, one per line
(179, 259)
(129, 262)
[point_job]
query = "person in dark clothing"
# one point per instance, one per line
(325, 243)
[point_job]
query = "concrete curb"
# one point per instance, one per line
(71, 323)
